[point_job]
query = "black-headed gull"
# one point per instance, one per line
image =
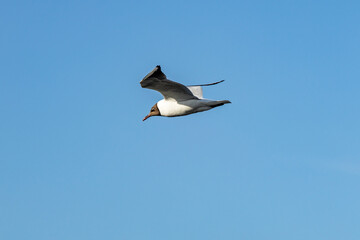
(179, 100)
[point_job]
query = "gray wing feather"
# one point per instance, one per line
(156, 80)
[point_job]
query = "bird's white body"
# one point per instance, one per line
(172, 108)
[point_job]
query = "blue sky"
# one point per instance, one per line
(281, 162)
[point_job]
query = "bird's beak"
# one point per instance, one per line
(146, 117)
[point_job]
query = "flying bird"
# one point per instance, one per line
(179, 100)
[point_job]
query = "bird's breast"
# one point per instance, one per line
(170, 108)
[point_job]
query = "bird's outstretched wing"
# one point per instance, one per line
(156, 80)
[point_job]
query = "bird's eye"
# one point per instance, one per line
(152, 110)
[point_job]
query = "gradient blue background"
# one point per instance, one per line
(281, 162)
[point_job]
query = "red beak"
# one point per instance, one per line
(146, 117)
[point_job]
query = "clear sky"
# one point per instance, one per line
(281, 162)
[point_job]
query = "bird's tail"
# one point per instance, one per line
(214, 104)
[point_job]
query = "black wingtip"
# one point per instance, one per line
(156, 73)
(209, 84)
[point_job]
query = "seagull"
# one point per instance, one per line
(179, 100)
